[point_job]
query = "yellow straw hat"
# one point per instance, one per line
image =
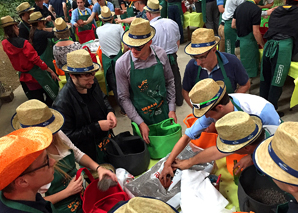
(277, 156)
(19, 149)
(36, 17)
(7, 21)
(60, 26)
(206, 94)
(24, 8)
(106, 14)
(153, 6)
(237, 130)
(140, 32)
(202, 40)
(79, 62)
(36, 113)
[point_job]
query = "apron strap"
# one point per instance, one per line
(25, 26)
(236, 105)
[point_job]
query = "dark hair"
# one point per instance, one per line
(32, 31)
(143, 2)
(9, 188)
(291, 2)
(224, 101)
(259, 139)
(62, 35)
(9, 31)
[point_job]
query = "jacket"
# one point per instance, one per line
(77, 124)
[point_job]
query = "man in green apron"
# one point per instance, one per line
(24, 172)
(145, 81)
(109, 36)
(24, 10)
(81, 13)
(207, 62)
(139, 5)
(247, 19)
(176, 14)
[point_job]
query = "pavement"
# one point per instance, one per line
(8, 109)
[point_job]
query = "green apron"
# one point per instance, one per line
(180, 10)
(148, 92)
(164, 9)
(107, 63)
(21, 207)
(49, 24)
(283, 49)
(230, 37)
(84, 18)
(226, 80)
(72, 203)
(47, 56)
(249, 54)
(236, 105)
(171, 59)
(204, 10)
(129, 13)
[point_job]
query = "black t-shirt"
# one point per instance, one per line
(247, 14)
(44, 11)
(57, 5)
(24, 29)
(40, 40)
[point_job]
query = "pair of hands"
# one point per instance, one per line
(108, 124)
(145, 129)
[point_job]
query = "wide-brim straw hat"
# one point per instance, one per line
(19, 149)
(204, 91)
(7, 21)
(236, 130)
(277, 156)
(35, 113)
(79, 62)
(106, 14)
(24, 8)
(145, 205)
(202, 40)
(140, 32)
(60, 26)
(36, 17)
(153, 6)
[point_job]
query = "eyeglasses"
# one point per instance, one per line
(46, 164)
(88, 74)
(137, 48)
(201, 57)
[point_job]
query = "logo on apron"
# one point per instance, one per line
(279, 74)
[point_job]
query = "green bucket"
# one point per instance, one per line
(163, 136)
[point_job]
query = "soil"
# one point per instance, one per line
(8, 75)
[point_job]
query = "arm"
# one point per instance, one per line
(267, 5)
(221, 8)
(74, 18)
(185, 95)
(257, 35)
(111, 7)
(91, 18)
(233, 25)
(268, 12)
(244, 88)
(189, 80)
(65, 11)
(126, 21)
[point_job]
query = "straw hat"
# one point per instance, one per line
(277, 156)
(36, 113)
(79, 62)
(60, 26)
(140, 32)
(145, 205)
(202, 40)
(153, 6)
(36, 17)
(24, 8)
(237, 130)
(7, 21)
(106, 14)
(203, 92)
(19, 149)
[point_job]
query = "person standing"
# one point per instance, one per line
(82, 13)
(60, 8)
(39, 7)
(24, 10)
(176, 14)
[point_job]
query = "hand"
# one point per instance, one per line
(211, 128)
(181, 164)
(49, 18)
(122, 12)
(172, 114)
(76, 25)
(66, 19)
(243, 163)
(145, 132)
(53, 75)
(111, 116)
(118, 20)
(271, 10)
(103, 171)
(106, 125)
(166, 175)
(74, 186)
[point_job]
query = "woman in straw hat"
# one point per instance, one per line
(277, 157)
(24, 10)
(25, 59)
(64, 189)
(64, 45)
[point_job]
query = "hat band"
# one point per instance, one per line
(37, 19)
(85, 69)
(62, 30)
(139, 36)
(280, 163)
(203, 44)
(207, 103)
(154, 10)
(242, 140)
(7, 22)
(43, 124)
(26, 9)
(106, 17)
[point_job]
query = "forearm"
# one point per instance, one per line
(127, 20)
(86, 161)
(90, 19)
(244, 88)
(55, 198)
(65, 11)
(259, 38)
(170, 85)
(233, 25)
(185, 95)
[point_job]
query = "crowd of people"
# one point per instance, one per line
(57, 128)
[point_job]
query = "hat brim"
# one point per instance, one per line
(31, 9)
(8, 24)
(264, 163)
(199, 50)
(55, 29)
(105, 19)
(227, 148)
(55, 126)
(34, 21)
(137, 42)
(95, 65)
(147, 9)
(200, 112)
